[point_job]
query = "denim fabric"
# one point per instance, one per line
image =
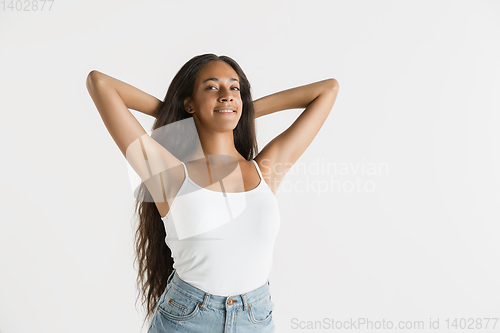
(187, 309)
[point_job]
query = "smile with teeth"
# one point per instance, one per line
(225, 111)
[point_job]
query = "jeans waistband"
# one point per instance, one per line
(216, 301)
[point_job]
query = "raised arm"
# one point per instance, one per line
(279, 155)
(133, 98)
(147, 157)
(294, 98)
(112, 98)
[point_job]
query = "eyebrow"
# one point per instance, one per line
(216, 79)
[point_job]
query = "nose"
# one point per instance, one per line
(225, 95)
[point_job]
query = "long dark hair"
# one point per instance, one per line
(153, 256)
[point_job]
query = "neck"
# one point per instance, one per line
(215, 144)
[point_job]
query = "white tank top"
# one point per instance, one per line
(222, 242)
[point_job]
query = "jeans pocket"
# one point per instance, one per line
(178, 306)
(261, 311)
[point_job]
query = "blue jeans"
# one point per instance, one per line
(184, 308)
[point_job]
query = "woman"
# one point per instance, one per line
(206, 267)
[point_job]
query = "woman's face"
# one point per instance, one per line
(217, 87)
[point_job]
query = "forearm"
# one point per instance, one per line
(133, 97)
(294, 98)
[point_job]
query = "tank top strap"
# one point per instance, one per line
(185, 169)
(258, 169)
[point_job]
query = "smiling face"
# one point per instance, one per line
(217, 87)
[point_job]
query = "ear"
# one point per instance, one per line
(187, 105)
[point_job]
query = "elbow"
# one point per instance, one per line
(93, 78)
(330, 85)
(334, 84)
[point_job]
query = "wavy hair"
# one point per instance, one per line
(153, 256)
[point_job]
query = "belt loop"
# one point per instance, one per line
(170, 277)
(245, 304)
(205, 301)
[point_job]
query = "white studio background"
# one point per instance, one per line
(392, 214)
